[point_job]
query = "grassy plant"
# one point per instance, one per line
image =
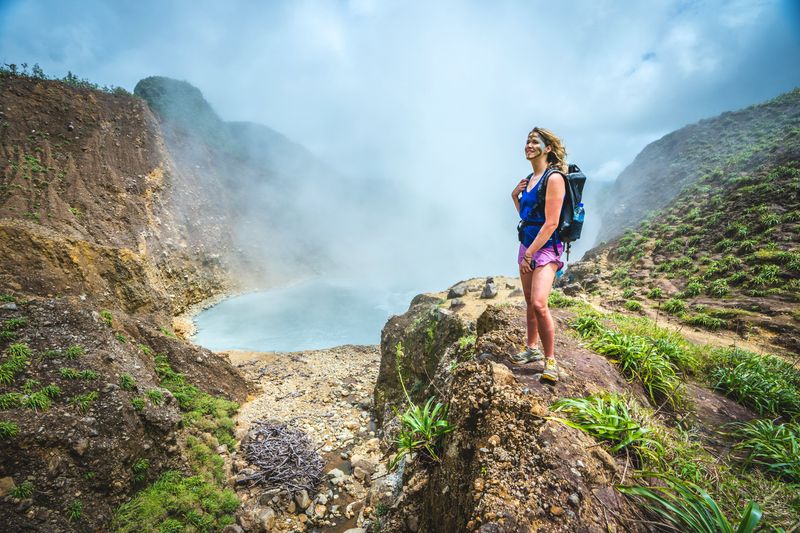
(201, 410)
(674, 306)
(156, 396)
(73, 352)
(120, 337)
(718, 288)
(655, 293)
(684, 506)
(8, 429)
(29, 385)
(633, 305)
(22, 491)
(702, 320)
(17, 356)
(421, 428)
(107, 317)
(628, 293)
(87, 374)
(137, 403)
(763, 382)
(693, 288)
(167, 332)
(38, 401)
(13, 324)
(140, 469)
(205, 461)
(774, 447)
(69, 373)
(639, 359)
(609, 418)
(75, 510)
(557, 299)
(84, 401)
(51, 391)
(126, 382)
(180, 503)
(9, 400)
(587, 325)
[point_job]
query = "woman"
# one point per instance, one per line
(539, 254)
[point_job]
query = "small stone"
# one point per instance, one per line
(494, 440)
(267, 519)
(412, 522)
(580, 464)
(574, 499)
(81, 446)
(302, 499)
(359, 473)
(489, 290)
(516, 293)
(457, 291)
(355, 530)
(320, 510)
(335, 473)
(364, 463)
(233, 528)
(9, 305)
(457, 302)
(6, 485)
(555, 510)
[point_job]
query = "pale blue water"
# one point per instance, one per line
(309, 315)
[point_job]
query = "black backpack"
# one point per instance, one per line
(570, 222)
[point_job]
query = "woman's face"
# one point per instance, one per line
(535, 146)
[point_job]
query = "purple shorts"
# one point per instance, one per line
(545, 255)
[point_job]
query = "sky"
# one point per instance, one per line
(436, 96)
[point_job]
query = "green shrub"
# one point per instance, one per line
(182, 503)
(655, 293)
(774, 447)
(75, 510)
(87, 374)
(9, 400)
(763, 382)
(702, 320)
(684, 506)
(73, 352)
(421, 429)
(8, 429)
(639, 359)
(137, 403)
(587, 325)
(628, 293)
(557, 299)
(107, 317)
(22, 491)
(140, 469)
(610, 418)
(126, 382)
(156, 396)
(68, 373)
(674, 306)
(84, 401)
(633, 305)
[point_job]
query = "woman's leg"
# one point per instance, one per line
(530, 315)
(541, 285)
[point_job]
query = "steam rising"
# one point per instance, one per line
(415, 114)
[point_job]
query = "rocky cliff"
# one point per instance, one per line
(98, 398)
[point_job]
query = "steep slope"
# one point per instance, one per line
(98, 399)
(678, 159)
(723, 255)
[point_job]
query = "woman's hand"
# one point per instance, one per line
(525, 265)
(521, 186)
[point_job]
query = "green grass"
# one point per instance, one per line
(655, 293)
(73, 352)
(182, 503)
(168, 332)
(120, 337)
(639, 359)
(773, 447)
(84, 401)
(610, 418)
(764, 383)
(674, 306)
(140, 469)
(684, 506)
(17, 356)
(155, 396)
(22, 491)
(107, 317)
(205, 461)
(421, 429)
(137, 403)
(68, 373)
(75, 510)
(8, 429)
(633, 305)
(705, 321)
(9, 400)
(557, 299)
(201, 410)
(126, 382)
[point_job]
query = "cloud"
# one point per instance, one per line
(437, 96)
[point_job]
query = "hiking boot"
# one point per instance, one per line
(529, 355)
(550, 370)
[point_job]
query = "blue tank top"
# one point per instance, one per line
(529, 213)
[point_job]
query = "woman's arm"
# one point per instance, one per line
(521, 186)
(554, 199)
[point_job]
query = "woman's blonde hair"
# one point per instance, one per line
(557, 158)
